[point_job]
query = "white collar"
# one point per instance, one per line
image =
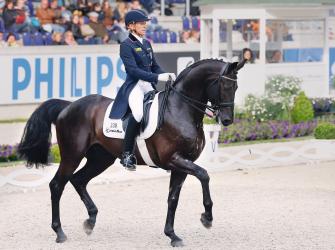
(137, 37)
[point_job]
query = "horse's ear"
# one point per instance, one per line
(233, 67)
(240, 65)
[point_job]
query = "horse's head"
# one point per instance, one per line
(221, 92)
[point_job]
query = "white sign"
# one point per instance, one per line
(30, 78)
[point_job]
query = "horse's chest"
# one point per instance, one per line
(191, 146)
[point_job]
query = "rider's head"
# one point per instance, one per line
(136, 21)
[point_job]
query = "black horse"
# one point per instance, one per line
(174, 146)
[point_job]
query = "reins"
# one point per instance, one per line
(197, 105)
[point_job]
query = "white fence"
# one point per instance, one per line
(228, 158)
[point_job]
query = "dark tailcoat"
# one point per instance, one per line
(140, 64)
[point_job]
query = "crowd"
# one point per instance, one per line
(68, 22)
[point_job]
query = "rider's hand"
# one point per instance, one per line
(165, 77)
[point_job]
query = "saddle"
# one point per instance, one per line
(115, 128)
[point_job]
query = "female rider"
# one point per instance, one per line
(143, 72)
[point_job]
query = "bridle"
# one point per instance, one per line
(214, 90)
(199, 106)
(213, 86)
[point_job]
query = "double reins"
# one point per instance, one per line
(197, 105)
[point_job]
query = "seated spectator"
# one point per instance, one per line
(107, 10)
(66, 22)
(69, 39)
(22, 19)
(190, 36)
(99, 29)
(57, 10)
(136, 5)
(87, 33)
(57, 38)
(75, 26)
(96, 7)
(46, 16)
(120, 12)
(81, 6)
(12, 42)
(13, 18)
(276, 57)
(148, 5)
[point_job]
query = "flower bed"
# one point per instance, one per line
(246, 130)
(8, 153)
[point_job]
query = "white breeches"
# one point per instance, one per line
(136, 97)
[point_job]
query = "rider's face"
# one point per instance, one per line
(139, 28)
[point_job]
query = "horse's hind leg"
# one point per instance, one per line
(98, 160)
(57, 185)
(176, 182)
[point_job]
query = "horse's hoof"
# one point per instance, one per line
(177, 243)
(61, 238)
(88, 227)
(206, 222)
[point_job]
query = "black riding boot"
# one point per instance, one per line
(128, 159)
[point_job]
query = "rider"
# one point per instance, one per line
(143, 72)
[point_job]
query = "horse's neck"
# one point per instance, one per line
(194, 87)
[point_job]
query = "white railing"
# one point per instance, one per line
(228, 158)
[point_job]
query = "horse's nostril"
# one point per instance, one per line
(226, 122)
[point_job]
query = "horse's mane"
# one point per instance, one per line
(193, 65)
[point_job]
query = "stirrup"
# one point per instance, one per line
(128, 160)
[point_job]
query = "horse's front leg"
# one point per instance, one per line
(176, 182)
(181, 164)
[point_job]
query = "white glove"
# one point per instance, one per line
(165, 77)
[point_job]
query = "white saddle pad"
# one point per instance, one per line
(113, 127)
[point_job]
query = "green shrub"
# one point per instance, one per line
(277, 101)
(302, 110)
(55, 154)
(325, 131)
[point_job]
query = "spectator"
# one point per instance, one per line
(9, 15)
(57, 10)
(57, 38)
(82, 7)
(148, 5)
(96, 7)
(23, 22)
(190, 36)
(107, 10)
(247, 55)
(75, 26)
(120, 12)
(88, 34)
(69, 39)
(46, 16)
(276, 57)
(11, 41)
(99, 29)
(136, 5)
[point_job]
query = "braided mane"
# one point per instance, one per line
(193, 65)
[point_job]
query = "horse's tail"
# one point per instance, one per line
(35, 142)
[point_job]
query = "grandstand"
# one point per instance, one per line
(35, 23)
